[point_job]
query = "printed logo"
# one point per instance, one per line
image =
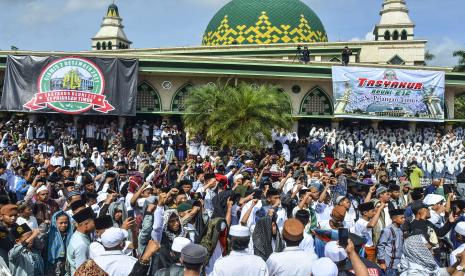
(71, 85)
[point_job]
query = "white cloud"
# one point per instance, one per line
(368, 36)
(442, 50)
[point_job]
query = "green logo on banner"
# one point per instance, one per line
(71, 85)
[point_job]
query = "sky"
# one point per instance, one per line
(68, 25)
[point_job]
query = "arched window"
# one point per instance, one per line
(104, 45)
(148, 99)
(387, 35)
(177, 104)
(110, 45)
(120, 46)
(98, 46)
(316, 102)
(395, 35)
(403, 35)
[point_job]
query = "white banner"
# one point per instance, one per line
(385, 93)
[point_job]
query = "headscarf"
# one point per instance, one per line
(262, 238)
(166, 232)
(56, 247)
(416, 252)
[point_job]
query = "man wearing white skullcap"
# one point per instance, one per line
(239, 261)
(113, 261)
(339, 256)
(459, 237)
(324, 267)
(437, 209)
(176, 269)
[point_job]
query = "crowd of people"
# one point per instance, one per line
(145, 199)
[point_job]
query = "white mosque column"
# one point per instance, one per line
(412, 126)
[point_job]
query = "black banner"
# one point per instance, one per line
(70, 85)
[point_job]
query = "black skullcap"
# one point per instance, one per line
(18, 230)
(396, 212)
(69, 184)
(417, 206)
(209, 176)
(394, 187)
(417, 193)
(84, 215)
(103, 222)
(272, 192)
(77, 204)
(367, 206)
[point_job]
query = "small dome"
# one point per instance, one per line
(113, 10)
(264, 22)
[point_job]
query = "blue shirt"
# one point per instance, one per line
(78, 250)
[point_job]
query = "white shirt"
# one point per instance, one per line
(217, 254)
(364, 232)
(453, 254)
(57, 161)
(31, 222)
(115, 263)
(249, 265)
(281, 215)
(292, 261)
(96, 249)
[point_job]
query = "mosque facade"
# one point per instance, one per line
(255, 41)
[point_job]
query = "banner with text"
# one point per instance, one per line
(385, 93)
(70, 85)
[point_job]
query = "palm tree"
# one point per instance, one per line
(429, 56)
(241, 116)
(459, 101)
(461, 66)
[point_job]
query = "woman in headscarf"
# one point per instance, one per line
(266, 238)
(172, 228)
(417, 259)
(58, 239)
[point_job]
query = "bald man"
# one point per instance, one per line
(8, 216)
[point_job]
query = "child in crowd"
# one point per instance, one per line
(24, 257)
(25, 216)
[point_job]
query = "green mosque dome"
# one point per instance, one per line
(264, 22)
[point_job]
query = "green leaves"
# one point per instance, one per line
(461, 66)
(241, 116)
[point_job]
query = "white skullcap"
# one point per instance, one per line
(239, 231)
(179, 243)
(335, 252)
(41, 188)
(324, 267)
(432, 199)
(113, 237)
(238, 176)
(460, 228)
(101, 197)
(339, 198)
(148, 187)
